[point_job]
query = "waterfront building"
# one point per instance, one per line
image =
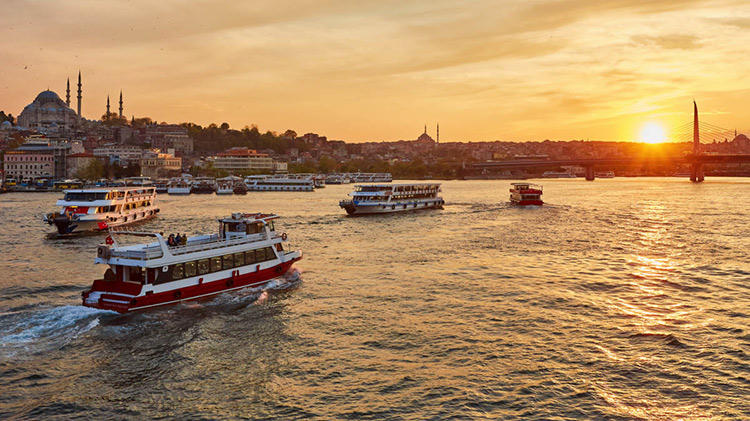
(241, 159)
(123, 155)
(36, 162)
(157, 165)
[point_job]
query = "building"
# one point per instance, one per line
(77, 162)
(157, 165)
(122, 155)
(48, 114)
(29, 163)
(167, 136)
(241, 160)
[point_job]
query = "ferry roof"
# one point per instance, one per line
(108, 189)
(389, 185)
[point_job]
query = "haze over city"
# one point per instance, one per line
(379, 70)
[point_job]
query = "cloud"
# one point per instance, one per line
(669, 41)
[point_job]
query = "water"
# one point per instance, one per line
(619, 299)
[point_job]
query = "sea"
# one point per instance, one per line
(619, 299)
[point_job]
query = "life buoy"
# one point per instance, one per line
(283, 237)
(178, 294)
(99, 251)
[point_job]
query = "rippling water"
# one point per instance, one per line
(619, 299)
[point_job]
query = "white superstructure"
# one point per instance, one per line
(279, 184)
(180, 185)
(100, 209)
(389, 198)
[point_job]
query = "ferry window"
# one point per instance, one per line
(279, 247)
(215, 264)
(250, 257)
(136, 275)
(270, 255)
(239, 259)
(177, 272)
(228, 261)
(203, 266)
(189, 269)
(260, 255)
(254, 228)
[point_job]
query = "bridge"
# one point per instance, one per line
(696, 159)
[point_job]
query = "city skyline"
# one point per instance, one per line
(376, 71)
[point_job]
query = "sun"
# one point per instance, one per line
(652, 133)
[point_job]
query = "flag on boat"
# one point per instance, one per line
(102, 225)
(109, 240)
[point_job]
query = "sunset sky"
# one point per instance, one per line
(372, 70)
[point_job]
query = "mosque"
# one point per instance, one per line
(50, 114)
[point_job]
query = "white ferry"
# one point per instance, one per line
(558, 174)
(337, 179)
(180, 185)
(376, 177)
(225, 185)
(279, 184)
(100, 209)
(247, 252)
(389, 198)
(138, 181)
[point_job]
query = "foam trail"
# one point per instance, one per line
(38, 330)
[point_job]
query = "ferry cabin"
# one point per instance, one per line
(245, 253)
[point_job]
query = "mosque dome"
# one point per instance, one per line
(6, 125)
(47, 96)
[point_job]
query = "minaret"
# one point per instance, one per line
(425, 129)
(438, 133)
(120, 103)
(79, 97)
(67, 94)
(107, 107)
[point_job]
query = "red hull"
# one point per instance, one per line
(529, 203)
(122, 297)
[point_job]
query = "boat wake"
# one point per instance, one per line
(31, 332)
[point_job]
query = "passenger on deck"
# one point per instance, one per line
(177, 239)
(170, 240)
(183, 241)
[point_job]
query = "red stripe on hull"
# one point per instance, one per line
(529, 203)
(122, 304)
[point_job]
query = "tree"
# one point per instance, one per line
(290, 134)
(326, 164)
(93, 171)
(6, 117)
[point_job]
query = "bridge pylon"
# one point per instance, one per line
(696, 169)
(590, 173)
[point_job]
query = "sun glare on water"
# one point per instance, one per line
(652, 133)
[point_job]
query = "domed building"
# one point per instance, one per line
(48, 113)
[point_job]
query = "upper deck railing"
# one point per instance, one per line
(211, 242)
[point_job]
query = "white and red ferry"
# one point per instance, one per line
(100, 209)
(247, 252)
(526, 194)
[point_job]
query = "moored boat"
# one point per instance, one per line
(390, 198)
(526, 194)
(283, 183)
(203, 185)
(100, 209)
(246, 252)
(180, 185)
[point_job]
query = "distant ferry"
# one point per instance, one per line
(203, 185)
(558, 174)
(526, 194)
(180, 185)
(246, 252)
(381, 177)
(337, 179)
(100, 209)
(161, 185)
(138, 181)
(605, 174)
(389, 198)
(279, 184)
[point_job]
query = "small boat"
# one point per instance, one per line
(225, 186)
(101, 209)
(605, 174)
(526, 194)
(246, 252)
(389, 198)
(558, 174)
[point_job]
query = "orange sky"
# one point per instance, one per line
(371, 70)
